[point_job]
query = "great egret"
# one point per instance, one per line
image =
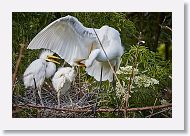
(40, 69)
(73, 42)
(62, 81)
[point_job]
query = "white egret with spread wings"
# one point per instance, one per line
(73, 42)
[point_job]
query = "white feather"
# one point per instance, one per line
(50, 69)
(37, 71)
(62, 80)
(44, 54)
(72, 41)
(67, 37)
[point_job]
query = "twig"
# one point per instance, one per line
(17, 65)
(152, 111)
(89, 110)
(166, 27)
(130, 83)
(157, 112)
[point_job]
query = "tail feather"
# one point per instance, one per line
(95, 71)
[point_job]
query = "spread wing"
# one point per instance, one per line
(67, 37)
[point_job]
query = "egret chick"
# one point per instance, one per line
(38, 70)
(62, 81)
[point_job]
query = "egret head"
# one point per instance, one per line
(48, 56)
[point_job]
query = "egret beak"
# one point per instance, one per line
(52, 58)
(79, 62)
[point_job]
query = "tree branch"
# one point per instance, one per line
(89, 110)
(17, 65)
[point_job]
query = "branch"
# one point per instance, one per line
(157, 113)
(131, 82)
(17, 64)
(89, 110)
(166, 27)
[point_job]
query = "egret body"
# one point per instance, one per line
(62, 81)
(38, 70)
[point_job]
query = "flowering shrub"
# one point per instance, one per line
(127, 70)
(139, 80)
(143, 76)
(144, 81)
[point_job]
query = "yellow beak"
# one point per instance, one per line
(52, 58)
(79, 63)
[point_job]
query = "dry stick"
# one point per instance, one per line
(17, 65)
(130, 83)
(89, 110)
(166, 27)
(158, 112)
(166, 116)
(152, 111)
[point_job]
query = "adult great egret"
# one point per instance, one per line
(38, 70)
(73, 42)
(62, 81)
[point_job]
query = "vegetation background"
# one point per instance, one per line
(154, 58)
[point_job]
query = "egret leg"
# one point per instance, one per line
(101, 79)
(36, 91)
(71, 101)
(114, 82)
(39, 93)
(79, 76)
(58, 99)
(95, 107)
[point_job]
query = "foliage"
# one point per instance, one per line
(150, 76)
(151, 66)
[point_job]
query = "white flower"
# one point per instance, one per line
(119, 72)
(154, 81)
(163, 101)
(144, 81)
(127, 70)
(140, 80)
(119, 90)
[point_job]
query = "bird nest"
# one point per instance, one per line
(84, 104)
(29, 105)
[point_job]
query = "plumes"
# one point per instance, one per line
(44, 54)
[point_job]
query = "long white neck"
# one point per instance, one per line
(93, 55)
